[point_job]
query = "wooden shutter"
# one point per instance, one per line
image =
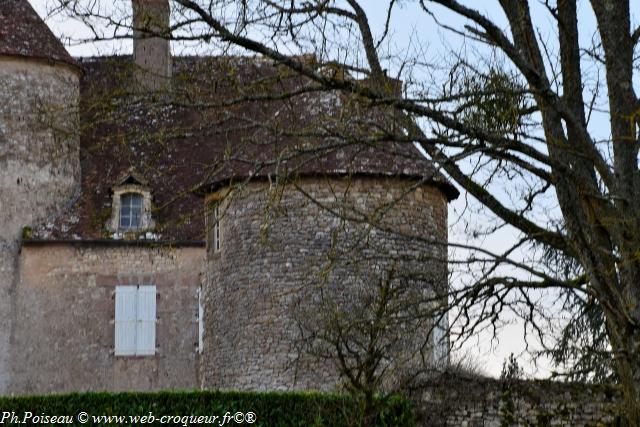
(146, 331)
(200, 320)
(126, 320)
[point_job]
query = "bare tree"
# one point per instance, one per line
(510, 123)
(374, 315)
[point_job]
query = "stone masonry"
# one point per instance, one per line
(39, 164)
(291, 252)
(279, 247)
(64, 317)
(457, 400)
(152, 55)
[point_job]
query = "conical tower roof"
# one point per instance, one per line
(24, 33)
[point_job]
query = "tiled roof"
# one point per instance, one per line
(226, 121)
(23, 33)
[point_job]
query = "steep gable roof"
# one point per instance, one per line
(23, 33)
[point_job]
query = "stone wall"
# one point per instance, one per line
(293, 255)
(39, 143)
(63, 337)
(39, 164)
(453, 400)
(8, 266)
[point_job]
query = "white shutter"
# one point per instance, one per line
(200, 321)
(146, 331)
(126, 320)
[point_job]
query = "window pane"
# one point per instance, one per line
(215, 241)
(125, 221)
(217, 236)
(130, 211)
(135, 217)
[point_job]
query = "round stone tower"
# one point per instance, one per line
(293, 267)
(39, 143)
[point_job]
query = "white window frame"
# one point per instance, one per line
(131, 195)
(135, 320)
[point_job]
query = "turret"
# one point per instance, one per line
(297, 267)
(39, 143)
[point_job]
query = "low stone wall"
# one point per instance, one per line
(461, 401)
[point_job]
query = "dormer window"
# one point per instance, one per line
(131, 211)
(131, 207)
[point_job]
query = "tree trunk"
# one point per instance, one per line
(369, 411)
(625, 340)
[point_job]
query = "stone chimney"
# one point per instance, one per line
(151, 52)
(390, 86)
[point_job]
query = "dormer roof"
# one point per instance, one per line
(23, 33)
(132, 177)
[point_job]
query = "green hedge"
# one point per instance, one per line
(270, 409)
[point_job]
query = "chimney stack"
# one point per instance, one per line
(151, 51)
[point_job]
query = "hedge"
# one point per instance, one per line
(270, 409)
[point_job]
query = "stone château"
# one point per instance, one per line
(168, 223)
